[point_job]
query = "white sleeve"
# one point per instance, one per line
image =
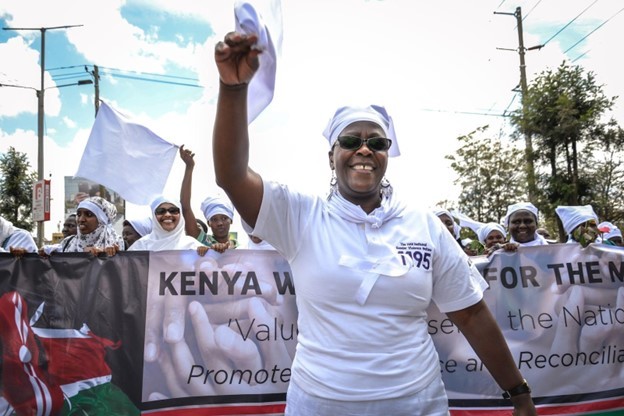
(51, 248)
(283, 218)
(22, 238)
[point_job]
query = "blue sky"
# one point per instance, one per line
(436, 67)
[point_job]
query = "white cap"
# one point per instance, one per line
(347, 115)
(573, 216)
(520, 206)
(214, 205)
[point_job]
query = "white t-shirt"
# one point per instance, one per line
(370, 344)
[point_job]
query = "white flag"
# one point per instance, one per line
(126, 157)
(263, 18)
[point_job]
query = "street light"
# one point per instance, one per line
(40, 117)
(40, 94)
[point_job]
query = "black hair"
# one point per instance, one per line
(202, 224)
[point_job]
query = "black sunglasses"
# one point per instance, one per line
(376, 144)
(170, 210)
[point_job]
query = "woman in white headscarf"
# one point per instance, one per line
(96, 234)
(611, 234)
(167, 230)
(134, 229)
(491, 235)
(365, 265)
(521, 221)
(448, 219)
(580, 223)
(218, 212)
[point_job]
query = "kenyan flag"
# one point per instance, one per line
(55, 371)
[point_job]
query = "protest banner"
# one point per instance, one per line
(172, 333)
(560, 308)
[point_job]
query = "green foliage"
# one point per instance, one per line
(490, 174)
(563, 113)
(16, 185)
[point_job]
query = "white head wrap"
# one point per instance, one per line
(101, 208)
(104, 235)
(214, 206)
(526, 206)
(481, 229)
(456, 227)
(487, 228)
(348, 115)
(159, 239)
(573, 216)
(609, 230)
(143, 226)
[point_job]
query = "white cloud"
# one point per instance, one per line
(69, 122)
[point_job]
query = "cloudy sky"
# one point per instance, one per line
(441, 68)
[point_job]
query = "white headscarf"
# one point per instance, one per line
(381, 258)
(526, 206)
(213, 205)
(104, 235)
(575, 215)
(348, 115)
(456, 227)
(143, 226)
(160, 239)
(481, 229)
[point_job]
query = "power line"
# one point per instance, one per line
(68, 76)
(150, 74)
(569, 23)
(599, 26)
(472, 113)
(126, 71)
(154, 80)
(532, 8)
(580, 56)
(510, 103)
(151, 77)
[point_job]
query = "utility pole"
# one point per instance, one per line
(528, 151)
(96, 83)
(40, 112)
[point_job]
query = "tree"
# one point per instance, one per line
(607, 173)
(563, 109)
(490, 175)
(16, 185)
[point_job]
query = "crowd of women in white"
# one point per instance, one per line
(90, 229)
(520, 228)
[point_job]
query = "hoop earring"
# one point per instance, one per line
(333, 185)
(386, 188)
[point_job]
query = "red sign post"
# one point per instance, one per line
(41, 200)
